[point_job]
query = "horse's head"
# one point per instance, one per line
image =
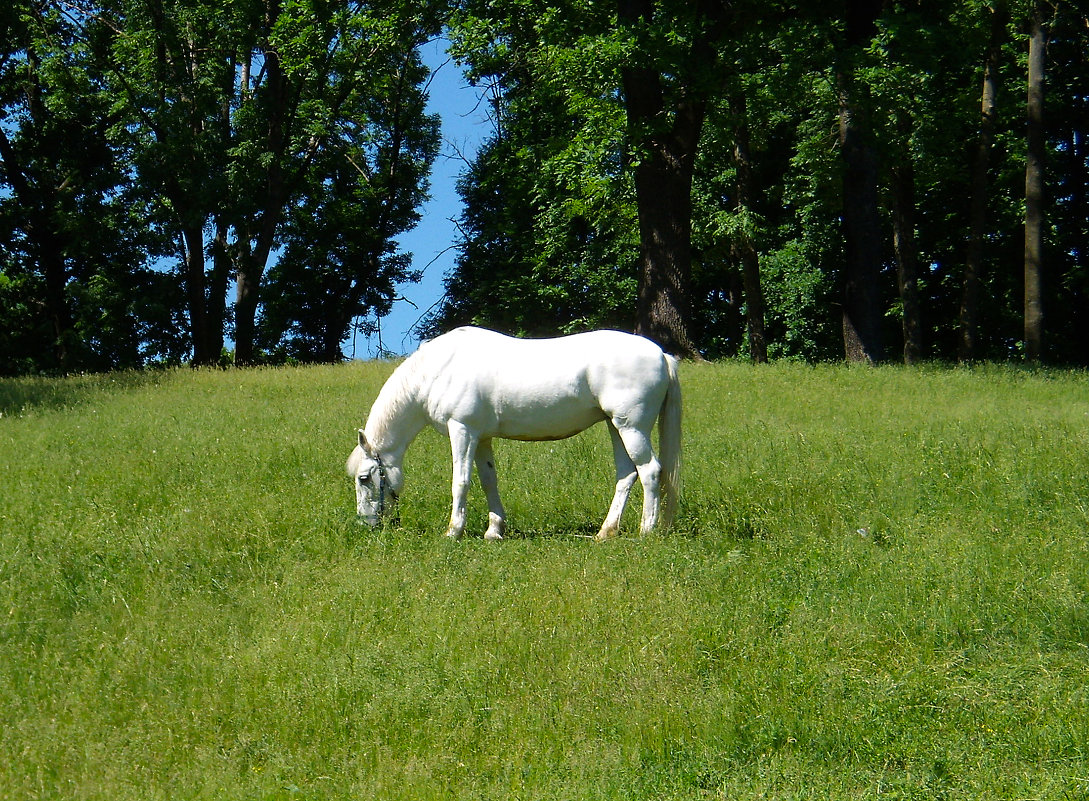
(377, 482)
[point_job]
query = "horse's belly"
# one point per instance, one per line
(558, 421)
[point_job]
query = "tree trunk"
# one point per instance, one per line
(217, 281)
(665, 232)
(259, 234)
(1034, 192)
(862, 236)
(968, 345)
(247, 293)
(43, 241)
(196, 294)
(743, 249)
(907, 261)
(1080, 180)
(331, 337)
(663, 190)
(861, 218)
(38, 197)
(665, 154)
(51, 261)
(251, 269)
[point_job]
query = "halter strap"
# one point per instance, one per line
(383, 479)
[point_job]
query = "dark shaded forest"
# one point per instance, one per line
(853, 180)
(870, 181)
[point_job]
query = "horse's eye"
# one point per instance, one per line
(364, 479)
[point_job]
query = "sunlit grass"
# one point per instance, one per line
(877, 588)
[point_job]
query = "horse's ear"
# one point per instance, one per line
(366, 446)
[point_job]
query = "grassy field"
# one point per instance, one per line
(878, 587)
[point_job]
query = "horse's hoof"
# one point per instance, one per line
(497, 526)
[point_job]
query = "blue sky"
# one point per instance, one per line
(465, 125)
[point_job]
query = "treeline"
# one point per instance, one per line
(869, 179)
(873, 180)
(157, 156)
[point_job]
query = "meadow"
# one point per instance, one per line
(877, 588)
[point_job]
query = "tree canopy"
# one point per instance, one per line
(841, 154)
(874, 179)
(155, 155)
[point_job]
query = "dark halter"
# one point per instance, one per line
(383, 479)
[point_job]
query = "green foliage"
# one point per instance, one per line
(561, 138)
(884, 597)
(550, 221)
(191, 138)
(797, 289)
(339, 258)
(70, 226)
(152, 153)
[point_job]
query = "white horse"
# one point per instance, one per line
(474, 385)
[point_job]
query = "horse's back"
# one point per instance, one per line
(572, 348)
(542, 388)
(599, 357)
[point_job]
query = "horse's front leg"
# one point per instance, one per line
(463, 444)
(485, 468)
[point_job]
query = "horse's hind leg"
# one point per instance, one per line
(637, 444)
(485, 468)
(625, 479)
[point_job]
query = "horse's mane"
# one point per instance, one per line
(394, 399)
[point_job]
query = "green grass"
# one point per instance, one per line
(878, 587)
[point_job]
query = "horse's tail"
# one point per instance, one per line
(669, 444)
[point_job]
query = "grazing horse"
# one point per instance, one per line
(473, 385)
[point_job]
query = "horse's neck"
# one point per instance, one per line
(395, 419)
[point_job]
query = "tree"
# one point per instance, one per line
(907, 97)
(76, 290)
(833, 168)
(902, 191)
(661, 62)
(888, 212)
(969, 315)
(37, 187)
(1066, 284)
(232, 106)
(666, 107)
(339, 260)
(743, 248)
(1034, 188)
(550, 240)
(165, 64)
(334, 79)
(861, 219)
(782, 201)
(140, 132)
